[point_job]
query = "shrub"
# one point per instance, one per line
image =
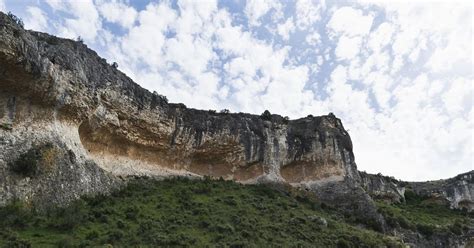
(6, 126)
(92, 235)
(342, 243)
(65, 243)
(426, 229)
(225, 111)
(16, 19)
(412, 197)
(266, 115)
(35, 160)
(115, 235)
(18, 243)
(15, 214)
(69, 217)
(27, 164)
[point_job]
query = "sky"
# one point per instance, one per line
(399, 74)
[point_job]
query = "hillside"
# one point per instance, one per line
(183, 212)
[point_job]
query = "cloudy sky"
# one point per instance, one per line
(399, 74)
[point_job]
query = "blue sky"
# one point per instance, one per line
(398, 74)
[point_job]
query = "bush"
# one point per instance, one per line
(6, 126)
(266, 115)
(27, 163)
(18, 243)
(92, 235)
(115, 235)
(65, 243)
(69, 217)
(36, 159)
(16, 19)
(15, 214)
(425, 229)
(225, 111)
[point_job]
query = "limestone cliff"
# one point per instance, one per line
(58, 91)
(457, 192)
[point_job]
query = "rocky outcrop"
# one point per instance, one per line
(457, 192)
(382, 187)
(60, 92)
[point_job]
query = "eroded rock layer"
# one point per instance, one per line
(58, 91)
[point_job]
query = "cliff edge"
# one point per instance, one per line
(57, 93)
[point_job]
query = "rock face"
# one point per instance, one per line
(457, 192)
(383, 187)
(58, 91)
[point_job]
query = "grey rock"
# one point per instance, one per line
(59, 91)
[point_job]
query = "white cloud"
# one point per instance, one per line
(2, 5)
(381, 37)
(36, 20)
(255, 9)
(308, 12)
(313, 38)
(85, 22)
(118, 12)
(285, 29)
(350, 22)
(459, 96)
(348, 48)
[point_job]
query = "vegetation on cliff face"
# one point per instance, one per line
(183, 212)
(426, 215)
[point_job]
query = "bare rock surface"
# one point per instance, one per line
(58, 91)
(457, 192)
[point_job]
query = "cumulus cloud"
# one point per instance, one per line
(118, 12)
(36, 20)
(308, 12)
(2, 5)
(313, 38)
(285, 29)
(85, 21)
(398, 76)
(350, 22)
(348, 48)
(255, 9)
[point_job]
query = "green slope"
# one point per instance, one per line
(190, 213)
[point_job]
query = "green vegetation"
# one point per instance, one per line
(425, 215)
(183, 212)
(37, 159)
(6, 126)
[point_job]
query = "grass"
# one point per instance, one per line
(187, 213)
(426, 216)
